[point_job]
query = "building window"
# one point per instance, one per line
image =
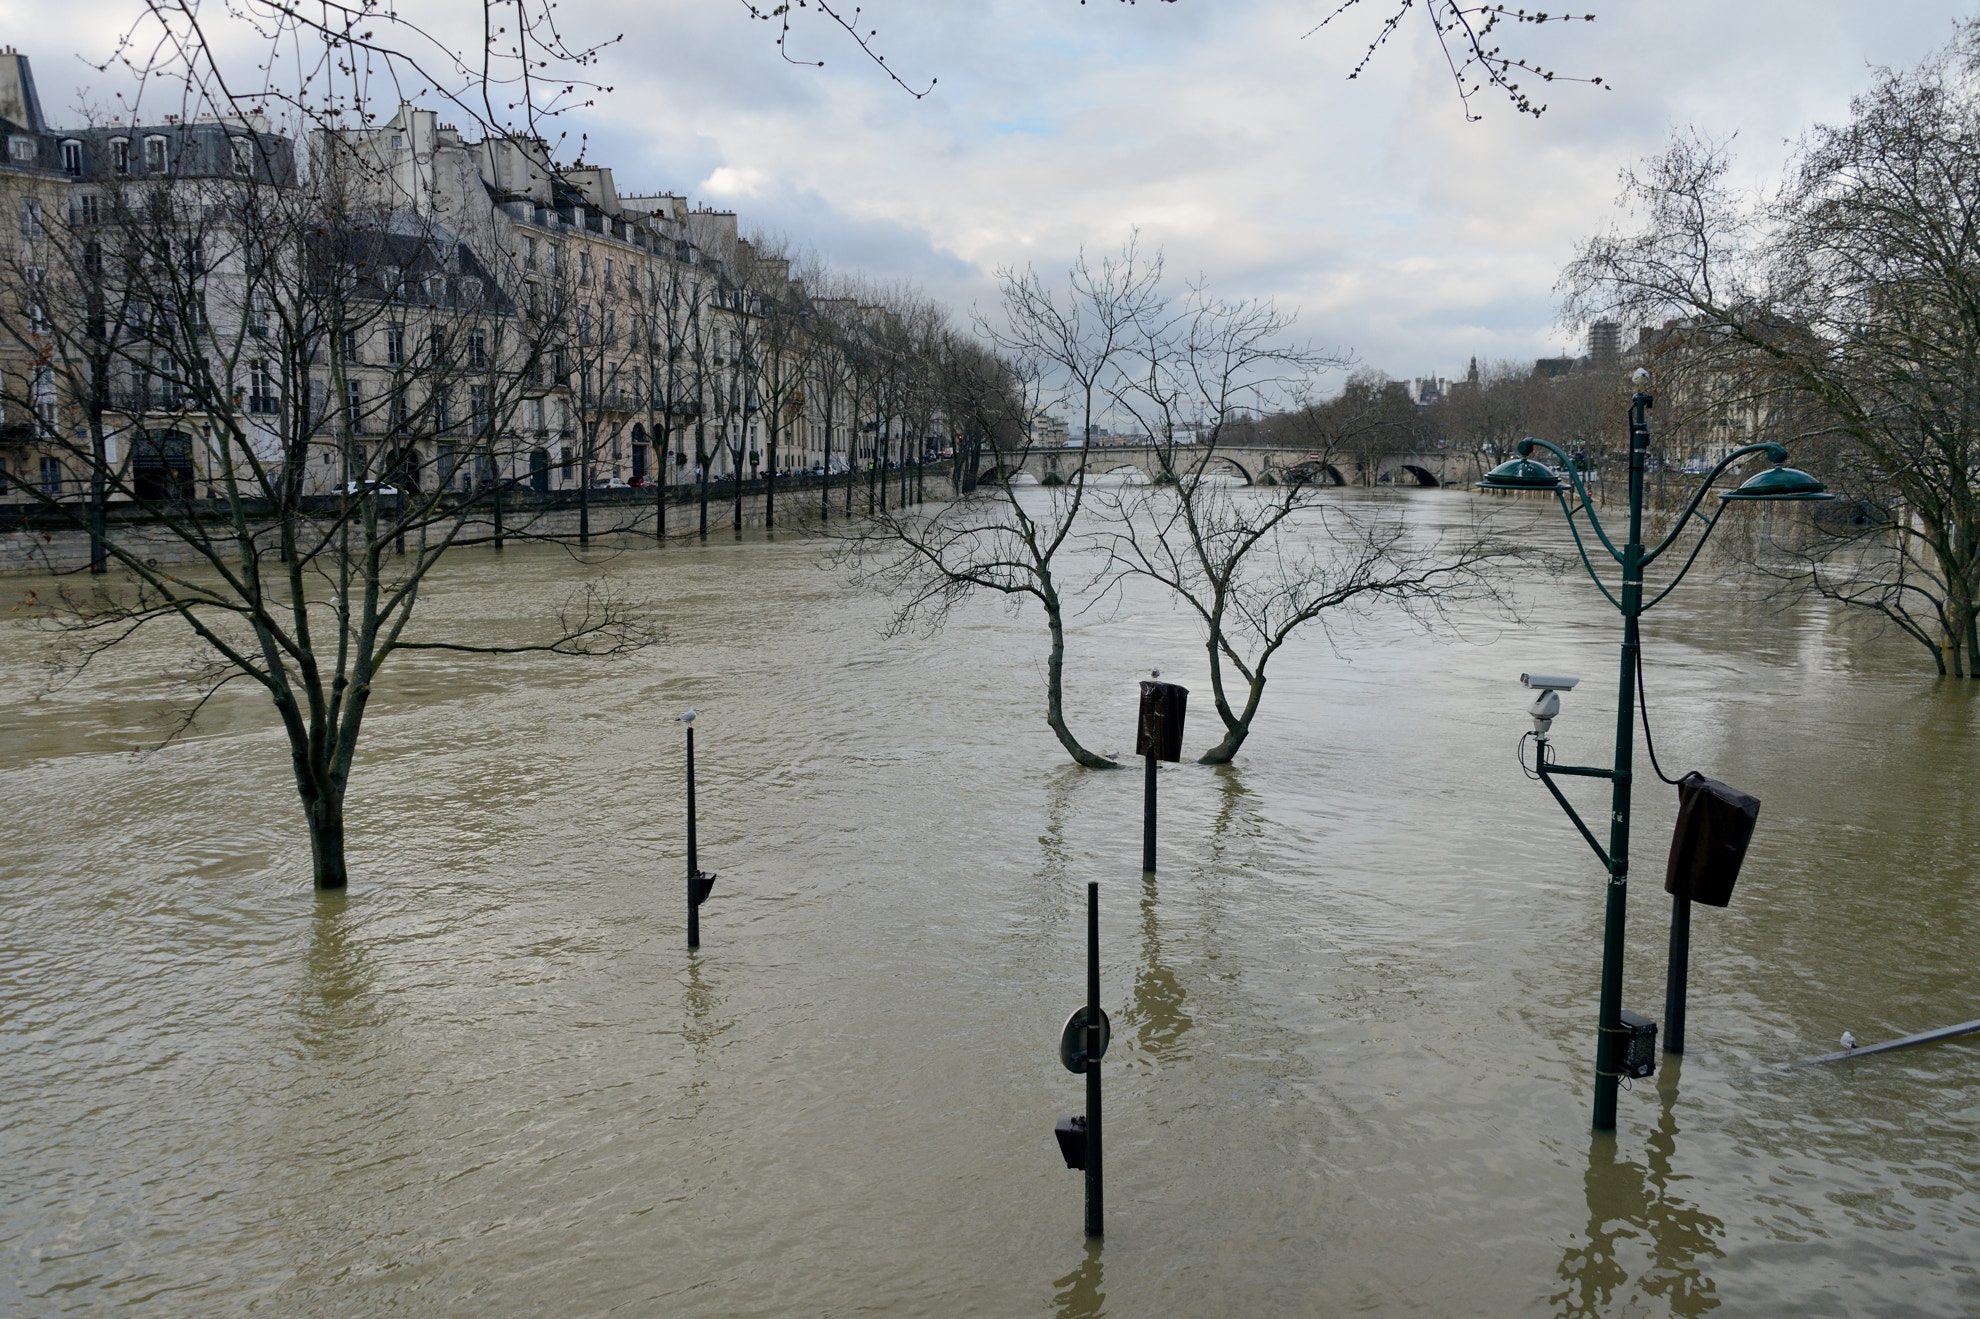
(31, 228)
(478, 405)
(154, 155)
(351, 346)
(89, 209)
(608, 274)
(22, 149)
(584, 267)
(529, 253)
(72, 158)
(168, 387)
(584, 323)
(354, 406)
(319, 402)
(41, 392)
(37, 299)
(261, 388)
(400, 413)
(443, 409)
(258, 318)
(395, 346)
(120, 155)
(244, 156)
(51, 477)
(477, 349)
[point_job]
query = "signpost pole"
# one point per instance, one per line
(1148, 820)
(694, 912)
(1095, 1213)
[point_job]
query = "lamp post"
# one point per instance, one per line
(1778, 483)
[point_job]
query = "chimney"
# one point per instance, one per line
(18, 100)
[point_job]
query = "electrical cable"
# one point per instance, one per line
(1643, 702)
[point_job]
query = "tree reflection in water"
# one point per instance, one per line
(1079, 1295)
(335, 994)
(1626, 1203)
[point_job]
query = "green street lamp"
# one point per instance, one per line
(1621, 1036)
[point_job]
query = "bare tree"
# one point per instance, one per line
(1256, 565)
(1370, 420)
(292, 370)
(1006, 537)
(1844, 309)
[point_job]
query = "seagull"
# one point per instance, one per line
(1154, 673)
(1112, 755)
(1848, 1041)
(688, 718)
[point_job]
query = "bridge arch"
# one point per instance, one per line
(1314, 470)
(1241, 469)
(1424, 476)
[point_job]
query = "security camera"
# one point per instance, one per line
(1547, 705)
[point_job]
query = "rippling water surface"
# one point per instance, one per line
(1353, 1015)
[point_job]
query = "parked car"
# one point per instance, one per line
(609, 483)
(372, 487)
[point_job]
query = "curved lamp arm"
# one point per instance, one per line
(1526, 448)
(1775, 454)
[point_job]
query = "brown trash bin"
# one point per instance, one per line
(1160, 731)
(1714, 824)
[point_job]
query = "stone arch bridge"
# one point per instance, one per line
(1252, 464)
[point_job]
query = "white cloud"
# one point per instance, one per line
(1399, 229)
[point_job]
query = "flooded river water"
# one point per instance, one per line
(1353, 1014)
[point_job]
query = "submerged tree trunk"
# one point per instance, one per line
(326, 840)
(1055, 690)
(1237, 727)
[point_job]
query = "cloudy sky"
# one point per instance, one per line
(1398, 230)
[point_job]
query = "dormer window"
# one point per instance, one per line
(72, 158)
(120, 155)
(244, 156)
(154, 155)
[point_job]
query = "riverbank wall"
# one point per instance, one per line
(35, 540)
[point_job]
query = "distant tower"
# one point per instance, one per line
(1604, 341)
(1471, 376)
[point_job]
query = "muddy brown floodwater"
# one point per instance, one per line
(1353, 1015)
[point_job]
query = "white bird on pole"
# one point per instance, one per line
(1848, 1040)
(1154, 673)
(688, 718)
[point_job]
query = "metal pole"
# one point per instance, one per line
(1608, 1051)
(1148, 821)
(1095, 1212)
(694, 912)
(1675, 974)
